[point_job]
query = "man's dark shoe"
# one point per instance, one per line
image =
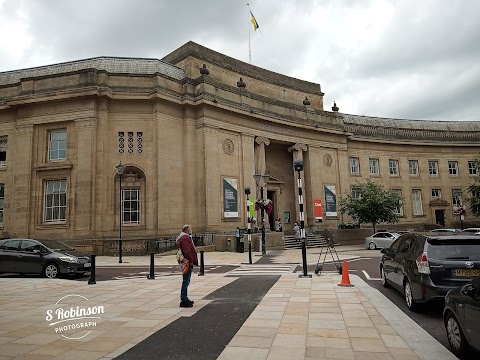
(191, 301)
(186, 304)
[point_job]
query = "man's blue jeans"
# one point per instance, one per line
(185, 283)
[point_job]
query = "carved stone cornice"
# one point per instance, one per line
(260, 140)
(89, 123)
(297, 147)
(24, 129)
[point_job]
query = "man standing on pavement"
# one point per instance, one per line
(185, 243)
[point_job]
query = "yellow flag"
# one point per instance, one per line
(254, 22)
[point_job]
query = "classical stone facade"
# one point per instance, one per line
(191, 130)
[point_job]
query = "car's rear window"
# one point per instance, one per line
(454, 249)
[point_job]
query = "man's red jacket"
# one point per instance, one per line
(185, 243)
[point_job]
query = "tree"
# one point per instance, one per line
(372, 204)
(474, 190)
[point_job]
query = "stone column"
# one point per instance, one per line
(260, 163)
(297, 151)
(85, 176)
(22, 214)
(248, 155)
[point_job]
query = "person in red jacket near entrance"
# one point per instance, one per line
(185, 243)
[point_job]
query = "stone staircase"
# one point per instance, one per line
(313, 241)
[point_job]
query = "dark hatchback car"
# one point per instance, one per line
(462, 318)
(47, 257)
(426, 266)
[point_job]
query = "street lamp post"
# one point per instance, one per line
(262, 179)
(298, 166)
(249, 225)
(120, 170)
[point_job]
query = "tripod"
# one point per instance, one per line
(330, 248)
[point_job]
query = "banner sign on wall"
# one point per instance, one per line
(251, 203)
(330, 200)
(318, 209)
(230, 197)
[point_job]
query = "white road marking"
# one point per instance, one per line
(368, 276)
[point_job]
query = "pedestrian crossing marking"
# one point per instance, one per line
(269, 269)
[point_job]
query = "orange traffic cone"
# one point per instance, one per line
(345, 276)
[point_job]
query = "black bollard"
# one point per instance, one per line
(202, 264)
(92, 270)
(151, 276)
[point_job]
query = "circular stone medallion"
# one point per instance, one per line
(228, 146)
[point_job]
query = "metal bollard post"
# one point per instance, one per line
(151, 276)
(92, 270)
(202, 264)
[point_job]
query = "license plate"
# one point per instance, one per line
(87, 265)
(467, 272)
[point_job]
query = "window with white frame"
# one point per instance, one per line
(413, 167)
(3, 149)
(374, 166)
(472, 168)
(453, 168)
(433, 167)
(130, 206)
(399, 209)
(57, 145)
(354, 166)
(436, 194)
(456, 197)
(393, 167)
(55, 201)
(417, 207)
(2, 198)
(356, 194)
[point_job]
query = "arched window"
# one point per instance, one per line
(132, 197)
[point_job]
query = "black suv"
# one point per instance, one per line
(425, 267)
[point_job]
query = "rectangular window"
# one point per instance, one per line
(393, 167)
(399, 209)
(55, 202)
(3, 151)
(374, 166)
(354, 166)
(2, 197)
(453, 168)
(130, 206)
(139, 142)
(57, 145)
(436, 194)
(413, 167)
(356, 194)
(417, 207)
(456, 197)
(472, 168)
(121, 142)
(130, 142)
(433, 167)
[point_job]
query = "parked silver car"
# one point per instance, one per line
(380, 240)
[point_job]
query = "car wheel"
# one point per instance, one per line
(51, 271)
(384, 278)
(407, 290)
(372, 246)
(455, 336)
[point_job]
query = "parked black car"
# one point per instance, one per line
(425, 267)
(49, 258)
(462, 318)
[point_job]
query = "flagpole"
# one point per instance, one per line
(249, 47)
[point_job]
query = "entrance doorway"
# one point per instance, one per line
(440, 217)
(271, 194)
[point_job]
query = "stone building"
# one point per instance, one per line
(191, 130)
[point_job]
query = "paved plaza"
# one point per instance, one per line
(296, 318)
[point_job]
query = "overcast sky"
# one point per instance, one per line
(388, 58)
